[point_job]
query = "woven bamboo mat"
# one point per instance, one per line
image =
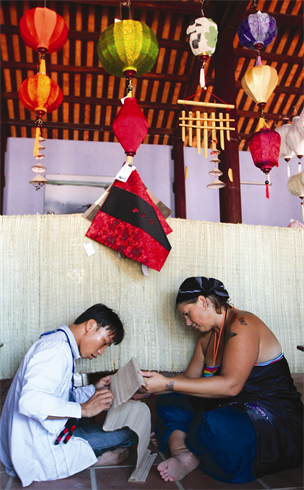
(47, 279)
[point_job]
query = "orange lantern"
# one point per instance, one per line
(43, 30)
(41, 95)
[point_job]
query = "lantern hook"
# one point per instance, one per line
(125, 4)
(129, 87)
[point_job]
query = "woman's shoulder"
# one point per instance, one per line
(238, 318)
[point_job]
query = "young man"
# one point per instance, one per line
(42, 397)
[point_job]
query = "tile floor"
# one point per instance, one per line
(115, 478)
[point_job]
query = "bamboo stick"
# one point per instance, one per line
(205, 104)
(222, 141)
(198, 133)
(205, 136)
(190, 129)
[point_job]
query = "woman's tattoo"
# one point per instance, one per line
(229, 334)
(242, 320)
(169, 386)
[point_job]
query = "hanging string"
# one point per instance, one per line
(217, 342)
(202, 3)
(125, 4)
(206, 90)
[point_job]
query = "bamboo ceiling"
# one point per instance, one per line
(92, 96)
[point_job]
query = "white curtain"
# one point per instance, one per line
(48, 279)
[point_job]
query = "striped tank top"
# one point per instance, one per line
(211, 370)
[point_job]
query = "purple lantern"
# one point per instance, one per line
(264, 146)
(257, 30)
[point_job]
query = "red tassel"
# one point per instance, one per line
(267, 191)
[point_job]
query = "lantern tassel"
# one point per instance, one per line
(36, 146)
(42, 67)
(267, 182)
(302, 205)
(202, 77)
(267, 189)
(261, 124)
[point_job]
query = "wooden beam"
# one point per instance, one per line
(230, 195)
(179, 178)
(172, 6)
(79, 126)
(280, 58)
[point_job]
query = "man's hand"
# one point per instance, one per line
(101, 401)
(103, 382)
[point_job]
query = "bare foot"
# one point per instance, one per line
(153, 439)
(111, 458)
(178, 466)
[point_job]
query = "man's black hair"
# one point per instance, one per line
(104, 317)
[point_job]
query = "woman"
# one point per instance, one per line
(235, 412)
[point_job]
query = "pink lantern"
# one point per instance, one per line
(264, 146)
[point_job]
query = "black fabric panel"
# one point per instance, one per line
(129, 207)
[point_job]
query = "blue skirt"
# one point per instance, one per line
(223, 439)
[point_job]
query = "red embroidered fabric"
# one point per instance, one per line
(130, 223)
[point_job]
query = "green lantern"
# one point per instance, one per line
(127, 48)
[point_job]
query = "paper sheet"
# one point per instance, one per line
(133, 414)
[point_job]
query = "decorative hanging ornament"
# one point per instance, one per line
(130, 127)
(127, 48)
(202, 39)
(215, 172)
(285, 151)
(258, 83)
(257, 31)
(295, 139)
(300, 123)
(41, 95)
(264, 146)
(295, 185)
(43, 30)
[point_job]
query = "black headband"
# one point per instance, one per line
(200, 286)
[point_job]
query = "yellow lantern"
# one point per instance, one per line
(259, 82)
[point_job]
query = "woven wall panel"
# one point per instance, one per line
(46, 279)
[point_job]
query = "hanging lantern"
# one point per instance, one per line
(259, 82)
(202, 39)
(264, 146)
(295, 138)
(300, 123)
(130, 127)
(43, 30)
(285, 151)
(257, 31)
(127, 48)
(41, 95)
(295, 185)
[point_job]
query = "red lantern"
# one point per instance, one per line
(43, 30)
(130, 126)
(264, 146)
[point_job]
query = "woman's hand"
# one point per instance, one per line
(106, 381)
(157, 383)
(140, 394)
